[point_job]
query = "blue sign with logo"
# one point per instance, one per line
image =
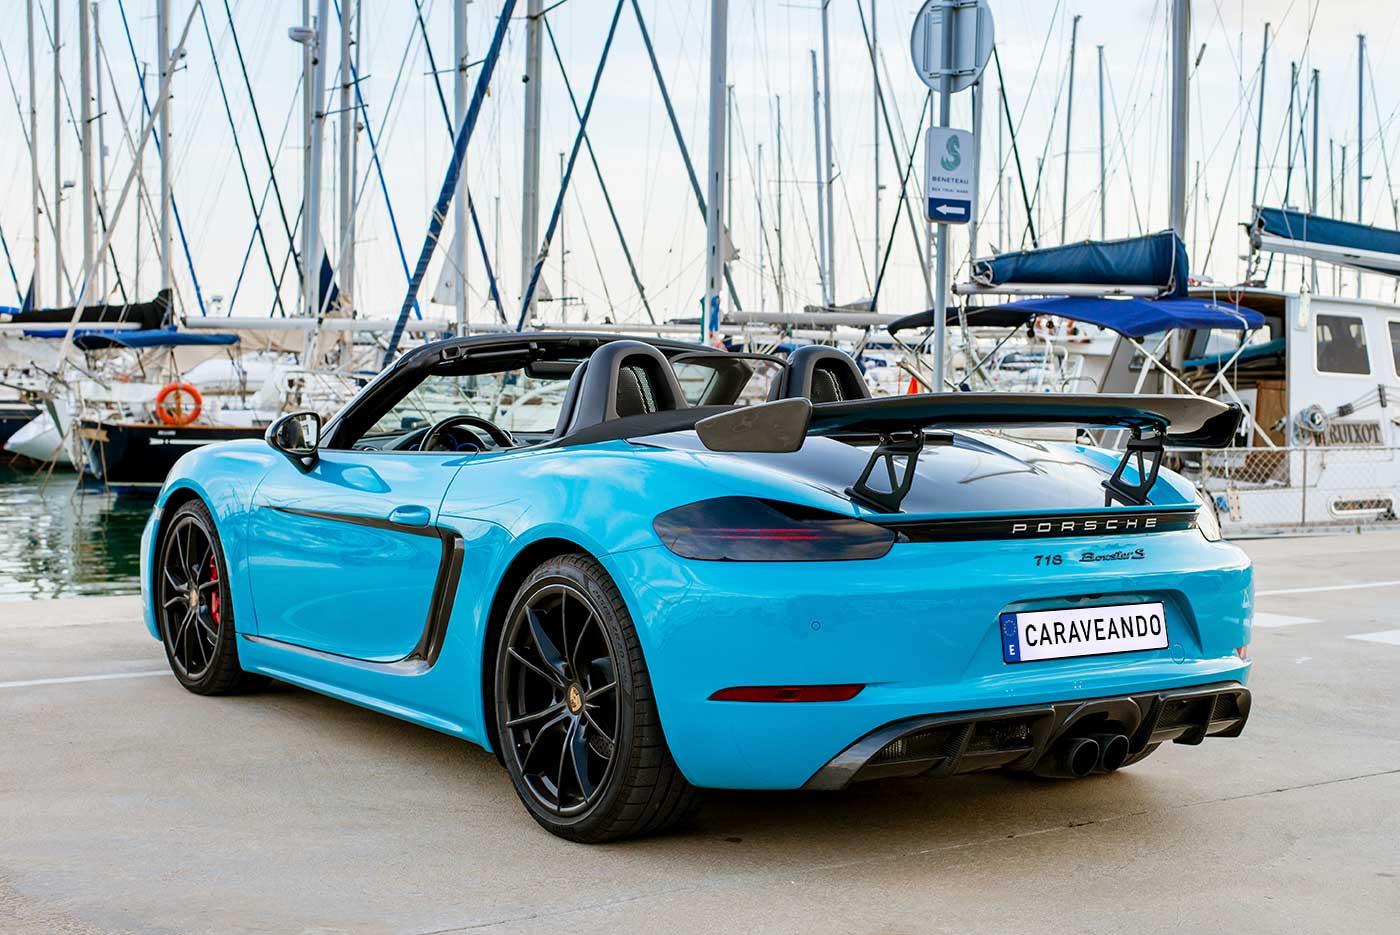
(950, 167)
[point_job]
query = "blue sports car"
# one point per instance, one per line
(636, 568)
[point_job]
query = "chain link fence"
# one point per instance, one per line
(1270, 490)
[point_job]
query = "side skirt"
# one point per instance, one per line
(265, 662)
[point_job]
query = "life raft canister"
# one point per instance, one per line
(175, 414)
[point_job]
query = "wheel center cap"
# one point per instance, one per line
(573, 697)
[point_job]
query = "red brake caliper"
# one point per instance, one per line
(214, 599)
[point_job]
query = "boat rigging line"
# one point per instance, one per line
(174, 206)
(553, 225)
(680, 139)
(242, 163)
(471, 202)
(598, 172)
(449, 184)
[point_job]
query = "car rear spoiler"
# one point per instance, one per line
(899, 424)
(1181, 421)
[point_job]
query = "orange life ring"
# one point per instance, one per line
(178, 416)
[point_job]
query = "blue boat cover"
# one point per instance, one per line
(1155, 260)
(1137, 318)
(90, 339)
(1312, 228)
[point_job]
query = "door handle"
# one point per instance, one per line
(410, 515)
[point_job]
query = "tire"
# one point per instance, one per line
(193, 607)
(615, 777)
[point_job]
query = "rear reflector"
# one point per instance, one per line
(788, 693)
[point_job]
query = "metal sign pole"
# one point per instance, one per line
(714, 213)
(949, 60)
(940, 294)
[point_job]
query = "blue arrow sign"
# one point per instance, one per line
(949, 210)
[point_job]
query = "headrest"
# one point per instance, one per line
(620, 379)
(821, 374)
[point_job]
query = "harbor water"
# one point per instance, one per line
(59, 540)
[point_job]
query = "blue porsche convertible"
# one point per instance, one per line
(636, 568)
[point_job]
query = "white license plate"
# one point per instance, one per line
(1082, 631)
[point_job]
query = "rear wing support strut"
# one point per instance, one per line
(1146, 455)
(888, 501)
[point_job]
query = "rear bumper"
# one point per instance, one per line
(919, 629)
(1018, 738)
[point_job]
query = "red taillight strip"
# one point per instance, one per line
(788, 693)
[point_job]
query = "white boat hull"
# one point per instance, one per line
(40, 439)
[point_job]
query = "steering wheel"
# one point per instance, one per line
(499, 436)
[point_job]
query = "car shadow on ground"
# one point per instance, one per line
(901, 814)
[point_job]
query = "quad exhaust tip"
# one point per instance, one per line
(1077, 757)
(1113, 751)
(1071, 758)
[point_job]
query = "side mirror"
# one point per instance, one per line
(297, 435)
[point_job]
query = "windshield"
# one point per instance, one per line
(514, 400)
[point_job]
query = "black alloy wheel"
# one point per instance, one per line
(192, 604)
(575, 716)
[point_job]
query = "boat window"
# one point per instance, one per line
(1341, 345)
(1395, 346)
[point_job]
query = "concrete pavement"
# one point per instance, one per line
(128, 805)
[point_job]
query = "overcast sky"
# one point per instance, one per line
(770, 45)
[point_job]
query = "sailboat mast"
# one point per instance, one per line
(1360, 125)
(312, 217)
(85, 131)
(101, 193)
(1180, 128)
(729, 153)
(1288, 158)
(57, 158)
(163, 68)
(972, 225)
(349, 11)
(1069, 124)
(33, 150)
(1312, 195)
(830, 159)
(461, 97)
(140, 208)
(563, 297)
(1180, 124)
(1360, 137)
(1259, 126)
(1103, 165)
(530, 183)
(778, 229)
(821, 185)
(762, 238)
(714, 211)
(1001, 164)
(875, 134)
